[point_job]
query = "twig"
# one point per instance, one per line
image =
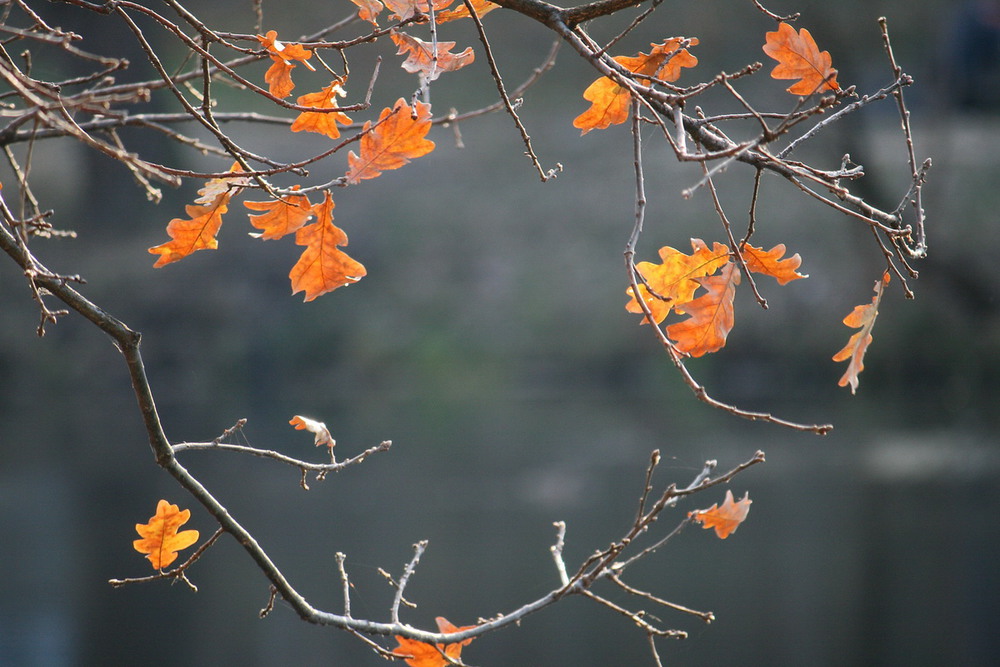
(557, 551)
(498, 79)
(919, 248)
(269, 607)
(176, 573)
(776, 17)
(418, 551)
(340, 558)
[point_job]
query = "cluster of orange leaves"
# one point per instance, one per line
(672, 284)
(725, 519)
(422, 654)
(160, 539)
(796, 52)
(396, 138)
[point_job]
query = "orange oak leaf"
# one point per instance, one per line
(368, 10)
(421, 654)
(610, 101)
(397, 139)
(864, 317)
(799, 58)
(279, 49)
(725, 519)
(322, 122)
(673, 281)
(196, 232)
(482, 8)
(323, 267)
(279, 75)
(427, 60)
(770, 262)
(279, 78)
(711, 315)
(317, 428)
(160, 539)
(280, 217)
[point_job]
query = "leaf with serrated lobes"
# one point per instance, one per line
(799, 58)
(323, 267)
(160, 539)
(398, 138)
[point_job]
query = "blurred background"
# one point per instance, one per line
(490, 343)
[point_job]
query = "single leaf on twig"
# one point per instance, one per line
(610, 101)
(279, 75)
(482, 8)
(770, 262)
(317, 428)
(398, 138)
(673, 281)
(231, 185)
(196, 232)
(862, 316)
(428, 61)
(725, 519)
(323, 267)
(280, 217)
(799, 58)
(711, 315)
(422, 654)
(368, 10)
(322, 122)
(160, 539)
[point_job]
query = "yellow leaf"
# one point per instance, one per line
(160, 539)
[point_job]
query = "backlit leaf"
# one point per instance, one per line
(460, 11)
(673, 281)
(280, 217)
(862, 316)
(160, 539)
(279, 75)
(428, 61)
(799, 58)
(398, 138)
(317, 428)
(279, 78)
(422, 654)
(196, 232)
(323, 267)
(322, 122)
(710, 316)
(368, 10)
(725, 519)
(231, 185)
(770, 262)
(610, 101)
